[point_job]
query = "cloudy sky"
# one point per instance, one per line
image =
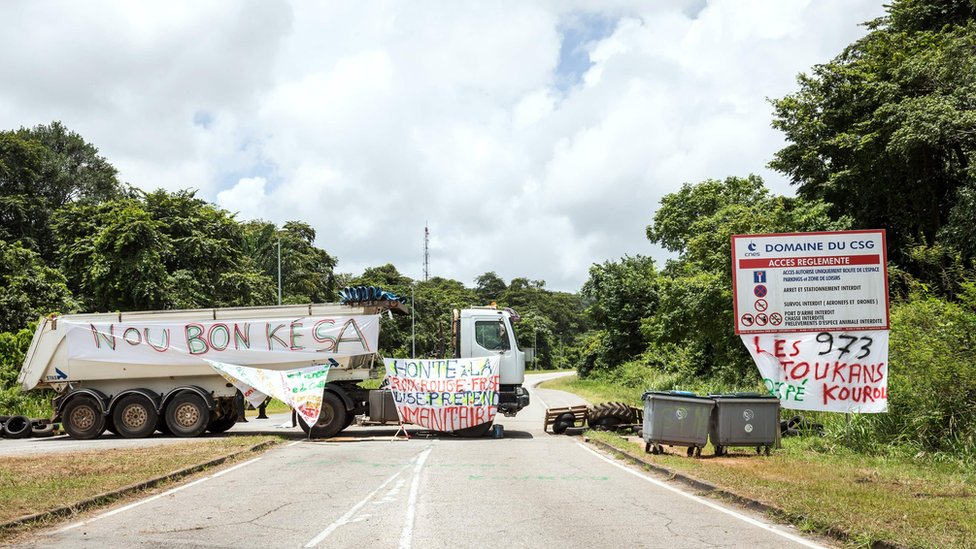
(534, 138)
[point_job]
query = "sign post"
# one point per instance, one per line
(812, 309)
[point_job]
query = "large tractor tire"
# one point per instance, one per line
(332, 418)
(610, 414)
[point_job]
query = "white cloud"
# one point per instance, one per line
(368, 120)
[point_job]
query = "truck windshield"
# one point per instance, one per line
(491, 335)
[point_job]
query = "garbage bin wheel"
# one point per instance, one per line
(769, 450)
(719, 450)
(647, 448)
(758, 450)
(691, 451)
(698, 450)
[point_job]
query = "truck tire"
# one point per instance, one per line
(42, 430)
(187, 415)
(17, 427)
(222, 424)
(332, 418)
(82, 418)
(563, 422)
(134, 416)
(477, 431)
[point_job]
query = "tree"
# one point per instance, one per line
(113, 255)
(43, 169)
(694, 309)
(620, 294)
(489, 287)
(307, 272)
(884, 132)
(29, 288)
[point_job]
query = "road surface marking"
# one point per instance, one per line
(153, 498)
(293, 443)
(345, 519)
(407, 534)
(705, 502)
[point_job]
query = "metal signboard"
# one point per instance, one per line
(810, 282)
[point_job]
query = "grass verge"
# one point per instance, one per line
(593, 391)
(35, 484)
(896, 499)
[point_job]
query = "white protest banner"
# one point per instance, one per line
(444, 395)
(827, 371)
(301, 389)
(810, 282)
(257, 342)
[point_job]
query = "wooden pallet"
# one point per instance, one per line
(579, 416)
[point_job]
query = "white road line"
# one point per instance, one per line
(345, 519)
(705, 502)
(407, 534)
(153, 498)
(293, 443)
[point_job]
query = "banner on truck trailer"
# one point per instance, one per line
(300, 389)
(250, 342)
(444, 395)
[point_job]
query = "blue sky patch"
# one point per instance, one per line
(579, 30)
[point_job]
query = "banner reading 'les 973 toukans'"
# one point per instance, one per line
(444, 395)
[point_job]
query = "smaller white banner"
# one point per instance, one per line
(301, 389)
(444, 395)
(824, 371)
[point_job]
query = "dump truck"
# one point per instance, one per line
(134, 373)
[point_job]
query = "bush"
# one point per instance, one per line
(13, 348)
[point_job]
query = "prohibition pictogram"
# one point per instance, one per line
(747, 319)
(759, 290)
(761, 319)
(761, 305)
(775, 319)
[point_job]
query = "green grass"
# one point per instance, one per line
(33, 484)
(594, 391)
(897, 498)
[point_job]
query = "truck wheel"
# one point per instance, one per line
(221, 424)
(477, 431)
(82, 418)
(17, 427)
(332, 417)
(187, 415)
(134, 416)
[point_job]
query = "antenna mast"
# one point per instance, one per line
(426, 252)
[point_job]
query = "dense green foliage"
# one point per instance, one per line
(883, 136)
(884, 132)
(550, 320)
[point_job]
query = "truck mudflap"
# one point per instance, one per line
(511, 399)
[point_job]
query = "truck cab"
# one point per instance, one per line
(486, 331)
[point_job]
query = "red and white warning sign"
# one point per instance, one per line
(810, 282)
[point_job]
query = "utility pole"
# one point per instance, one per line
(279, 270)
(413, 325)
(426, 252)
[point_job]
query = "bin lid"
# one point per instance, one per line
(683, 394)
(743, 395)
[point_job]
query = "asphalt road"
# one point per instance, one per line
(528, 489)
